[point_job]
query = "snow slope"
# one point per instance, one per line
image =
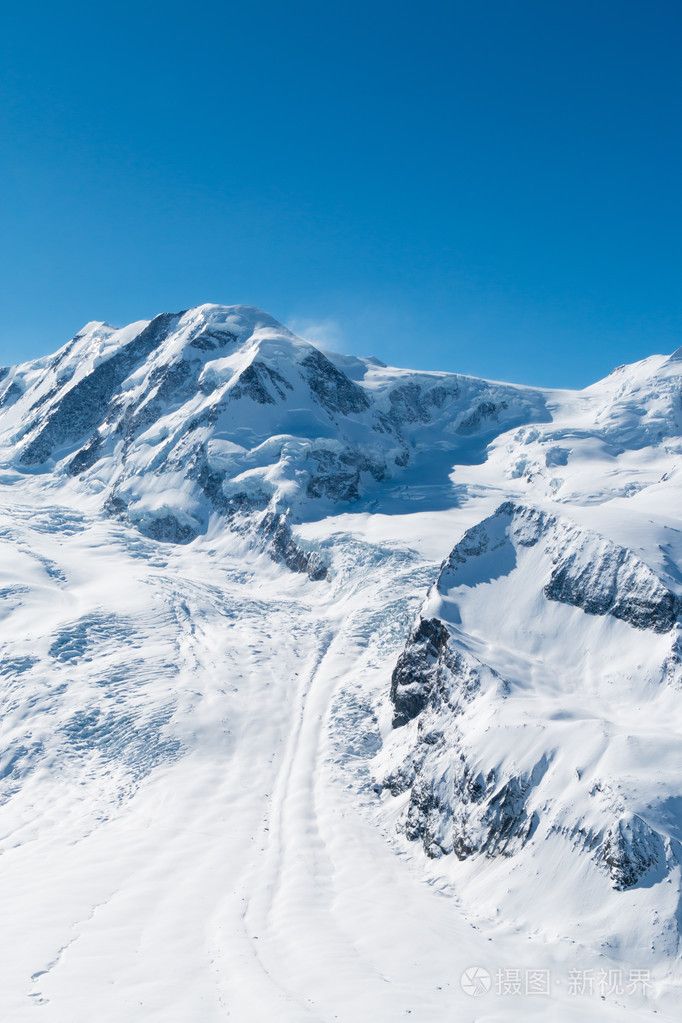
(325, 681)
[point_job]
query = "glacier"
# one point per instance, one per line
(324, 682)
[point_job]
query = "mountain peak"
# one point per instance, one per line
(240, 319)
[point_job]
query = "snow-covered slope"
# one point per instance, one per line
(324, 681)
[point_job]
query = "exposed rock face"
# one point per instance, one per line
(411, 403)
(281, 546)
(82, 407)
(419, 670)
(333, 389)
(169, 529)
(630, 850)
(253, 383)
(430, 671)
(466, 814)
(10, 394)
(484, 410)
(618, 584)
(338, 476)
(496, 820)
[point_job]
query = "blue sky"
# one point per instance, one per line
(485, 187)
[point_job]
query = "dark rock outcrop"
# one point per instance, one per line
(334, 390)
(84, 406)
(619, 585)
(282, 548)
(416, 675)
(630, 850)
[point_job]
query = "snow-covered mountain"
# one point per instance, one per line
(324, 681)
(222, 412)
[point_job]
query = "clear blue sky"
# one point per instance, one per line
(490, 187)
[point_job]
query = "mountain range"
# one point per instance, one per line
(324, 682)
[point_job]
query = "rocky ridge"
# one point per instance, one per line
(463, 798)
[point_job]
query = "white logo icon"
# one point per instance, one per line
(476, 981)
